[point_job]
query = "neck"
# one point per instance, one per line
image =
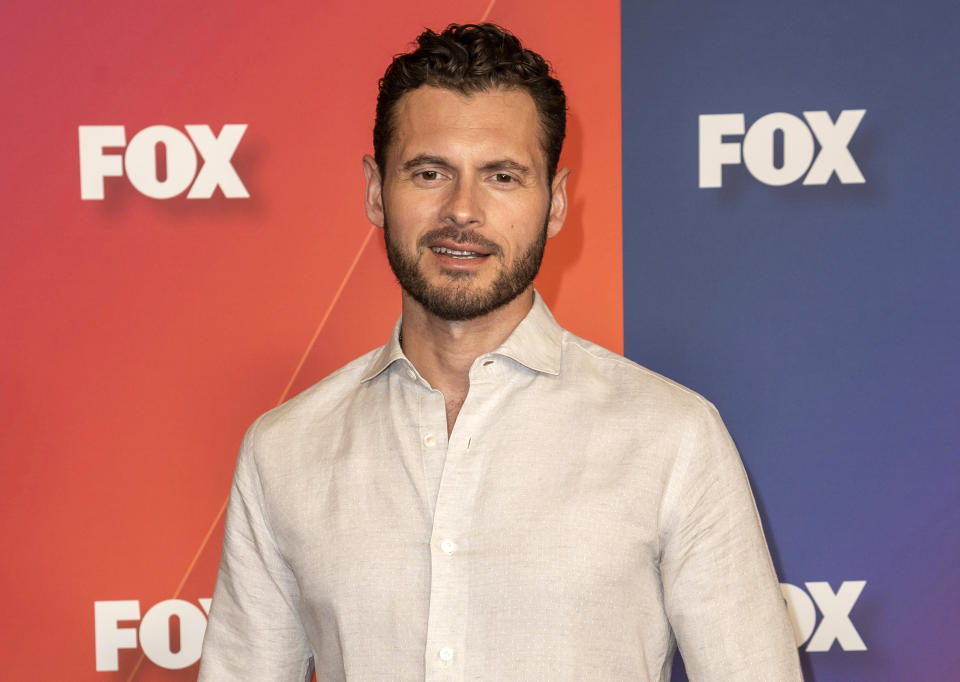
(443, 351)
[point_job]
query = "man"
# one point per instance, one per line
(488, 496)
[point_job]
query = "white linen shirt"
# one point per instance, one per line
(584, 516)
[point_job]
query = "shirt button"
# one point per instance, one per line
(411, 374)
(448, 546)
(446, 653)
(430, 440)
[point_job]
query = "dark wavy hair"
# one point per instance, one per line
(471, 58)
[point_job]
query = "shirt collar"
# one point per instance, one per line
(387, 354)
(535, 343)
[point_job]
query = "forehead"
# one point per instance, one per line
(491, 124)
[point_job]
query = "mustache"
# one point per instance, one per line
(459, 236)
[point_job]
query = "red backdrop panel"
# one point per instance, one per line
(142, 336)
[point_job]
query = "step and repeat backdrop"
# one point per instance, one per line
(763, 208)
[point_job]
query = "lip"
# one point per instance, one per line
(454, 256)
(459, 247)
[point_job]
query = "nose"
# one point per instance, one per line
(463, 206)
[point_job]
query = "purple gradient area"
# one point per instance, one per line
(823, 321)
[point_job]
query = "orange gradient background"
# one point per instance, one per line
(142, 336)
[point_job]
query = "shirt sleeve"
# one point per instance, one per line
(254, 631)
(720, 590)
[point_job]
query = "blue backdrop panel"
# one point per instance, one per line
(822, 319)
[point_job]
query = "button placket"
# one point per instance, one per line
(433, 443)
(449, 549)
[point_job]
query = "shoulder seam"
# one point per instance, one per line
(610, 356)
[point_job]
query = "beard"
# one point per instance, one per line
(456, 300)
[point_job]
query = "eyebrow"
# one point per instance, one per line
(426, 160)
(506, 164)
(500, 164)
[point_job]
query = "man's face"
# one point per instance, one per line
(464, 201)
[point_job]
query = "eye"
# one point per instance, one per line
(428, 175)
(504, 178)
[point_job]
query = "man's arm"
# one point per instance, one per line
(720, 590)
(254, 631)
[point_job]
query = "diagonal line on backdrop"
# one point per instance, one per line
(326, 316)
(486, 12)
(203, 545)
(283, 396)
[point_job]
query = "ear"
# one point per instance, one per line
(373, 191)
(558, 203)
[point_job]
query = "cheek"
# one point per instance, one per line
(524, 221)
(406, 218)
